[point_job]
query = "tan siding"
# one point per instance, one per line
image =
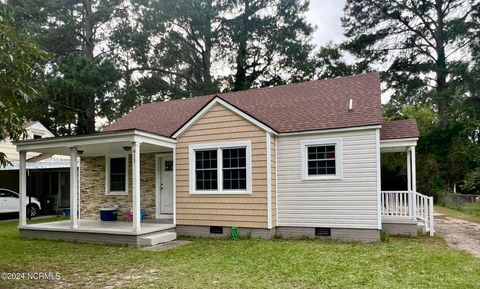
(222, 125)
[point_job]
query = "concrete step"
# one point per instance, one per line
(158, 238)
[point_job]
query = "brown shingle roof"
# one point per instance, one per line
(315, 105)
(406, 128)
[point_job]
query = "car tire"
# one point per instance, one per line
(32, 211)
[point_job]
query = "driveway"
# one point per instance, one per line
(460, 234)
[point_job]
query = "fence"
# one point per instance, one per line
(462, 202)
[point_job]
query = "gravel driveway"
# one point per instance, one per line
(460, 234)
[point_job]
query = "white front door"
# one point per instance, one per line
(166, 186)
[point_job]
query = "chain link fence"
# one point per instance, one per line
(462, 202)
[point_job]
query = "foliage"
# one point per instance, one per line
(423, 43)
(76, 33)
(269, 40)
(20, 64)
(429, 51)
(330, 61)
(471, 183)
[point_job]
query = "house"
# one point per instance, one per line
(48, 174)
(298, 160)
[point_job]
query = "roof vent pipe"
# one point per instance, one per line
(350, 105)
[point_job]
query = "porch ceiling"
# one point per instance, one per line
(99, 144)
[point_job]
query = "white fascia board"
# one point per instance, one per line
(403, 142)
(101, 138)
(330, 130)
(228, 106)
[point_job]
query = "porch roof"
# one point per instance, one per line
(98, 144)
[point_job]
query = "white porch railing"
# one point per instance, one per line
(409, 204)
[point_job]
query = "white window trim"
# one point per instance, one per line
(219, 146)
(337, 142)
(107, 175)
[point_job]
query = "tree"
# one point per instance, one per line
(173, 49)
(330, 61)
(73, 32)
(20, 63)
(271, 41)
(423, 42)
(168, 49)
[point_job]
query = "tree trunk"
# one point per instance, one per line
(443, 96)
(88, 48)
(207, 54)
(241, 61)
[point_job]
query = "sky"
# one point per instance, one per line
(325, 15)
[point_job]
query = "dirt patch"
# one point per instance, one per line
(460, 234)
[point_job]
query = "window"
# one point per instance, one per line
(168, 166)
(8, 194)
(206, 174)
(321, 159)
(117, 177)
(234, 169)
(37, 136)
(220, 168)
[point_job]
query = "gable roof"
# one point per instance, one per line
(217, 100)
(405, 128)
(307, 106)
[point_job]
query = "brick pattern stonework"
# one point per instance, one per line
(92, 188)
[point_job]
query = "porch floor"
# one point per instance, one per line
(96, 226)
(95, 231)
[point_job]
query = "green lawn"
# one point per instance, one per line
(204, 263)
(472, 214)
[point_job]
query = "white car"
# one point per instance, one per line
(10, 203)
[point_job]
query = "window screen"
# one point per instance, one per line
(118, 172)
(321, 160)
(234, 169)
(206, 170)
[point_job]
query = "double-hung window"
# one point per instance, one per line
(206, 170)
(321, 159)
(116, 176)
(220, 168)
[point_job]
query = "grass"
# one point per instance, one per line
(205, 263)
(463, 215)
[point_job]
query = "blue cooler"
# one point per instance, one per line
(108, 214)
(66, 212)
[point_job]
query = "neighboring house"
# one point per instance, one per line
(292, 161)
(48, 174)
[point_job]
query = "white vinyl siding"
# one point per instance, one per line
(349, 202)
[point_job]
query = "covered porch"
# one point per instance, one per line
(113, 176)
(406, 211)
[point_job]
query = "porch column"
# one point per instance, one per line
(411, 197)
(136, 186)
(409, 170)
(23, 189)
(414, 182)
(73, 188)
(414, 169)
